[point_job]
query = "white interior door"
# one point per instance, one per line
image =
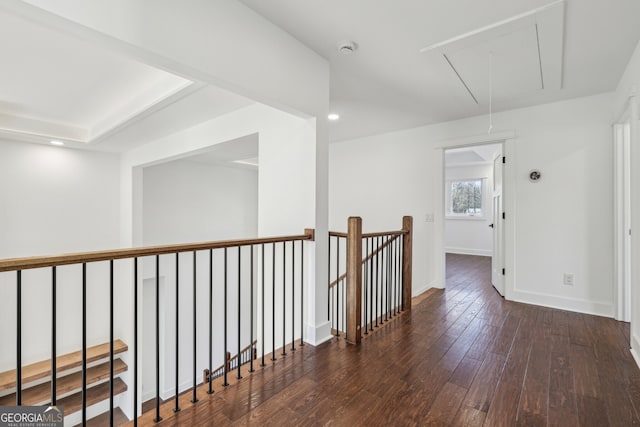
(497, 258)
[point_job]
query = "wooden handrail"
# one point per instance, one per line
(14, 264)
(337, 234)
(385, 233)
(368, 235)
(231, 359)
(395, 235)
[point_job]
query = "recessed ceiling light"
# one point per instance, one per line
(333, 116)
(57, 143)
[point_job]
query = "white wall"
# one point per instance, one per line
(286, 203)
(627, 102)
(470, 235)
(54, 200)
(263, 63)
(187, 201)
(562, 224)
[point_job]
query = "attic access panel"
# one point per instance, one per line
(510, 61)
(527, 53)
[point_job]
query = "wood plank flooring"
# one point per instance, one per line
(462, 357)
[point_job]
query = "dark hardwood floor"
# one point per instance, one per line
(462, 357)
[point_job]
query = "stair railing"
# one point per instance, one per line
(374, 288)
(272, 268)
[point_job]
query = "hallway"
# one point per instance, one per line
(462, 357)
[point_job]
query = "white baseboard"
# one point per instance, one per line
(169, 392)
(148, 396)
(562, 303)
(318, 334)
(468, 251)
(635, 346)
(92, 411)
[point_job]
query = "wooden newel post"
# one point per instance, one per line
(407, 244)
(354, 280)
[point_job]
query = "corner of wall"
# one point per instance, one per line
(635, 346)
(422, 289)
(318, 334)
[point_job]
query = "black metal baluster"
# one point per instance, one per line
(195, 322)
(176, 407)
(393, 276)
(301, 293)
(284, 298)
(344, 298)
(393, 280)
(386, 296)
(376, 289)
(225, 319)
(293, 295)
(329, 277)
(19, 338)
(54, 337)
(365, 282)
(158, 418)
(273, 302)
(210, 391)
(402, 273)
(371, 293)
(381, 282)
(381, 296)
(396, 273)
(381, 273)
(239, 304)
(337, 287)
(111, 370)
(251, 313)
(365, 285)
(263, 337)
(84, 343)
(135, 342)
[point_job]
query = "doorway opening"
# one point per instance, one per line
(473, 206)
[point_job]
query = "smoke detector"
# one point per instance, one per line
(347, 47)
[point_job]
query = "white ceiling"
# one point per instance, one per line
(388, 84)
(474, 155)
(55, 86)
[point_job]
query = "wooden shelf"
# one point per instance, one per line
(95, 395)
(41, 394)
(42, 369)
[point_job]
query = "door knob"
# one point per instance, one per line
(491, 225)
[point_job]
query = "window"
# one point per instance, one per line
(466, 197)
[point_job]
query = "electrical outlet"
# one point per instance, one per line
(568, 279)
(428, 217)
